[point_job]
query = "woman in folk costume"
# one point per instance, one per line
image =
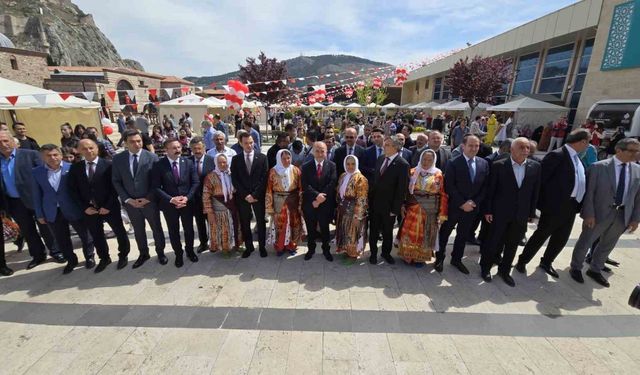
(492, 129)
(425, 209)
(282, 201)
(218, 203)
(351, 223)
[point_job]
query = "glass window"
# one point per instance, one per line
(560, 53)
(437, 88)
(555, 69)
(525, 73)
(523, 87)
(579, 82)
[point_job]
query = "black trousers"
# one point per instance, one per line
(201, 221)
(504, 237)
(381, 222)
(25, 219)
(151, 214)
(95, 224)
(245, 210)
(554, 227)
(62, 234)
(174, 216)
(3, 260)
(318, 218)
(464, 222)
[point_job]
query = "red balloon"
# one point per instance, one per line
(107, 130)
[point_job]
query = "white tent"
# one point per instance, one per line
(195, 105)
(424, 105)
(530, 113)
(43, 111)
(390, 105)
(354, 106)
(408, 105)
(316, 105)
(466, 108)
(335, 105)
(372, 105)
(445, 106)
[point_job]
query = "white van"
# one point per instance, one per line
(613, 113)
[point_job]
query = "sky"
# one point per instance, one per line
(210, 37)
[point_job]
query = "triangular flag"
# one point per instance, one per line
(64, 95)
(88, 95)
(153, 92)
(284, 81)
(112, 94)
(132, 94)
(184, 89)
(226, 87)
(199, 88)
(12, 99)
(169, 92)
(41, 98)
(122, 106)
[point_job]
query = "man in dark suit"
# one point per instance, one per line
(204, 164)
(249, 171)
(386, 195)
(405, 153)
(561, 193)
(55, 206)
(435, 143)
(90, 185)
(371, 154)
(131, 177)
(282, 142)
(465, 183)
(176, 181)
(17, 188)
(349, 148)
(416, 150)
(318, 197)
(512, 196)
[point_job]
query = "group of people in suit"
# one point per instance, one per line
(363, 191)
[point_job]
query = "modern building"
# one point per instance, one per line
(585, 52)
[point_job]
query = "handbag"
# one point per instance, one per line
(10, 229)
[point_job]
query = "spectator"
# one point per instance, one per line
(25, 142)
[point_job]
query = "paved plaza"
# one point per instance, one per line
(287, 316)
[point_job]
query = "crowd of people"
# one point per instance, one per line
(364, 179)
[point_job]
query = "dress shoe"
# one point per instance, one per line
(388, 258)
(179, 261)
(328, 256)
(612, 262)
(263, 253)
(202, 248)
(58, 258)
(193, 258)
(438, 265)
(6, 271)
(508, 279)
(140, 261)
(486, 276)
(246, 253)
(102, 265)
(69, 267)
(35, 262)
(549, 270)
(162, 259)
(577, 276)
(19, 242)
(90, 263)
(461, 267)
(520, 267)
(122, 262)
(597, 277)
(373, 259)
(606, 269)
(309, 255)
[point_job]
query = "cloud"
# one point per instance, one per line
(206, 37)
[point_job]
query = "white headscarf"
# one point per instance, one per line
(284, 173)
(225, 178)
(419, 170)
(347, 175)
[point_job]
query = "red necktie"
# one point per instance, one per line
(384, 166)
(319, 171)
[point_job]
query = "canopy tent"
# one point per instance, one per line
(424, 105)
(372, 105)
(335, 105)
(195, 105)
(390, 106)
(353, 106)
(466, 108)
(530, 113)
(316, 105)
(43, 111)
(408, 105)
(445, 106)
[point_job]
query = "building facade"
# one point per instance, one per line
(561, 58)
(22, 65)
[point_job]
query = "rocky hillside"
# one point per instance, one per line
(60, 28)
(304, 66)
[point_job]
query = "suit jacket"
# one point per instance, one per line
(368, 162)
(129, 186)
(601, 192)
(459, 187)
(25, 161)
(444, 156)
(254, 184)
(97, 193)
(558, 177)
(208, 165)
(165, 185)
(505, 200)
(341, 153)
(46, 200)
(406, 155)
(387, 191)
(415, 155)
(312, 185)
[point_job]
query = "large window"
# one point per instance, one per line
(555, 70)
(437, 88)
(446, 90)
(581, 74)
(525, 74)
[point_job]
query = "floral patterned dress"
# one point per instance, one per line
(225, 227)
(282, 202)
(351, 221)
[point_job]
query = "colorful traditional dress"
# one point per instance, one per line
(351, 223)
(282, 202)
(217, 200)
(425, 208)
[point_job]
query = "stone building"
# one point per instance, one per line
(22, 65)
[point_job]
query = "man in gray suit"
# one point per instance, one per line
(131, 178)
(611, 206)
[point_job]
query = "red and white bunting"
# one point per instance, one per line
(41, 99)
(88, 95)
(131, 94)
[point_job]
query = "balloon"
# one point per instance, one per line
(107, 130)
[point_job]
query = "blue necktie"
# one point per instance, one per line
(472, 171)
(621, 185)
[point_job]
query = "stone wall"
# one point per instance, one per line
(32, 67)
(612, 84)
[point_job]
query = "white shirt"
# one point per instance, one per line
(618, 165)
(95, 165)
(199, 164)
(131, 161)
(54, 177)
(177, 161)
(228, 151)
(519, 170)
(319, 163)
(579, 186)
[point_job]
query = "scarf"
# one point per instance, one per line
(347, 175)
(419, 170)
(225, 178)
(283, 173)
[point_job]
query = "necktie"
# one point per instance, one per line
(621, 185)
(92, 170)
(378, 152)
(176, 174)
(580, 178)
(135, 164)
(384, 166)
(319, 170)
(472, 171)
(348, 150)
(199, 167)
(248, 162)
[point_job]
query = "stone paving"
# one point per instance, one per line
(287, 316)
